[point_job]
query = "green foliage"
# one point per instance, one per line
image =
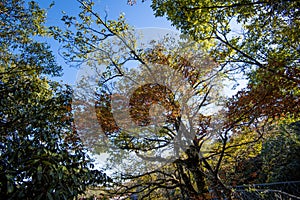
(259, 38)
(272, 159)
(242, 164)
(280, 155)
(41, 155)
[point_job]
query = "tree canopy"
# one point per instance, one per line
(259, 38)
(148, 103)
(256, 41)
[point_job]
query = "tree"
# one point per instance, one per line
(111, 43)
(98, 41)
(183, 177)
(41, 154)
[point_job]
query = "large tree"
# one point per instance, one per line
(112, 45)
(234, 133)
(41, 155)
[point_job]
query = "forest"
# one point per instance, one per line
(208, 111)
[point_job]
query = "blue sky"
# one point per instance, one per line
(139, 16)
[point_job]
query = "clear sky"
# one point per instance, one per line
(139, 16)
